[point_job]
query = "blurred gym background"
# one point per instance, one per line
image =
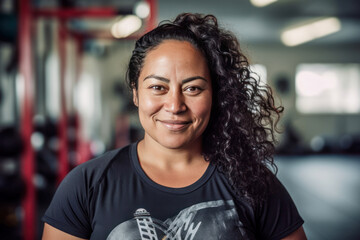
(63, 98)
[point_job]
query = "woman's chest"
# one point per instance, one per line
(158, 217)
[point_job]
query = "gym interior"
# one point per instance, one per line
(64, 98)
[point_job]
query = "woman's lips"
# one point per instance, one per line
(175, 125)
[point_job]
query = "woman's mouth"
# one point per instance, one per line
(175, 125)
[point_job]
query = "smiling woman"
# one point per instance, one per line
(200, 172)
(174, 95)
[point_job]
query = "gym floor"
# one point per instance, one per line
(326, 190)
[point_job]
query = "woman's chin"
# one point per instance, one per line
(173, 144)
(176, 143)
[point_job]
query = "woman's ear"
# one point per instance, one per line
(135, 97)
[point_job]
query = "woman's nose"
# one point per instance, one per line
(174, 103)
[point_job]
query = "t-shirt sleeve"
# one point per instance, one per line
(278, 216)
(68, 210)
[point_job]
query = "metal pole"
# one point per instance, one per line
(28, 161)
(152, 19)
(79, 12)
(63, 122)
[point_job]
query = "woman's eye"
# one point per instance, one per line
(193, 90)
(157, 88)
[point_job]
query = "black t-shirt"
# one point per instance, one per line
(111, 197)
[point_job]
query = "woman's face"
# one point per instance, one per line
(174, 95)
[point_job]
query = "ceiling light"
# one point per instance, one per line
(142, 9)
(310, 31)
(261, 3)
(126, 26)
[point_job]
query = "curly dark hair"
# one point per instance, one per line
(240, 136)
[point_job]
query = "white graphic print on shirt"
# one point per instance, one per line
(207, 220)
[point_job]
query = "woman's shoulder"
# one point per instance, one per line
(94, 169)
(70, 208)
(276, 189)
(278, 214)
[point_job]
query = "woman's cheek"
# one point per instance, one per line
(150, 105)
(203, 107)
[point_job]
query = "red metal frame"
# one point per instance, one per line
(151, 21)
(28, 161)
(63, 168)
(67, 13)
(26, 15)
(76, 12)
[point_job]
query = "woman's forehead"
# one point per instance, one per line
(173, 45)
(175, 55)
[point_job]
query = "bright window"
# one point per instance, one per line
(328, 88)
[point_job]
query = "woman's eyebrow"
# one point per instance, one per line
(157, 77)
(167, 80)
(193, 78)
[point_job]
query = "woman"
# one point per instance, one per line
(200, 172)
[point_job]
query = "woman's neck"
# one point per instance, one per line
(152, 153)
(171, 167)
